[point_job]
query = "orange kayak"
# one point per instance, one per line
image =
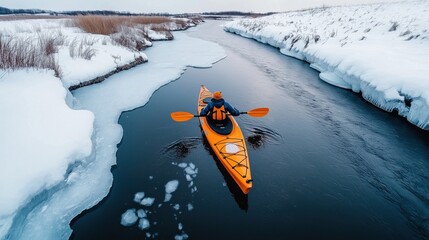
(228, 143)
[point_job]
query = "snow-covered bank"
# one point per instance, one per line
(41, 137)
(79, 56)
(380, 50)
(89, 182)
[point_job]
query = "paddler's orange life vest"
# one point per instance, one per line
(219, 114)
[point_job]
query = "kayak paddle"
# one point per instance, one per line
(257, 112)
(182, 116)
(185, 116)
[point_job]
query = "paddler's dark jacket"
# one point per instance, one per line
(218, 103)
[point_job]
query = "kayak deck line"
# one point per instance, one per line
(229, 156)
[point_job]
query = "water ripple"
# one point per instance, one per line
(261, 135)
(182, 147)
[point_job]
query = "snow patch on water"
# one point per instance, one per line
(138, 197)
(190, 207)
(141, 213)
(182, 165)
(147, 201)
(181, 237)
(171, 186)
(129, 217)
(144, 224)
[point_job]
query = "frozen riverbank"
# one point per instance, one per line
(379, 50)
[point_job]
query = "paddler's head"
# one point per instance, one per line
(217, 95)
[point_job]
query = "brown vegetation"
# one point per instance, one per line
(107, 25)
(22, 53)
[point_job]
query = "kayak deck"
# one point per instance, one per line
(230, 148)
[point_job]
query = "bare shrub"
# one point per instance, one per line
(405, 33)
(394, 26)
(25, 53)
(306, 41)
(49, 43)
(82, 48)
(132, 38)
(181, 23)
(88, 53)
(316, 38)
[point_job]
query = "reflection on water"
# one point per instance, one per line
(182, 147)
(263, 135)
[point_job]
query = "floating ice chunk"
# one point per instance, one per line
(171, 186)
(188, 177)
(174, 163)
(147, 201)
(194, 189)
(144, 224)
(129, 217)
(182, 165)
(192, 165)
(189, 171)
(160, 205)
(150, 177)
(180, 226)
(176, 206)
(190, 207)
(191, 184)
(148, 235)
(138, 197)
(141, 213)
(181, 237)
(167, 197)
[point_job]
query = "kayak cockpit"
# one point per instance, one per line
(223, 127)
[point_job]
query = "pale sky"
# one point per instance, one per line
(178, 6)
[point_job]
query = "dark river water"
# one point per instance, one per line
(325, 163)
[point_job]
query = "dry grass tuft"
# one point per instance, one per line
(23, 53)
(82, 48)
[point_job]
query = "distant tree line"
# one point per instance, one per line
(236, 13)
(7, 11)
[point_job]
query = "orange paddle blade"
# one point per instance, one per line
(258, 112)
(182, 116)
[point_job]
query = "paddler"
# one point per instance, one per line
(217, 108)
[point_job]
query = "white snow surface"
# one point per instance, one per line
(44, 206)
(380, 50)
(41, 137)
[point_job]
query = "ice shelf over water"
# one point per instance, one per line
(380, 50)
